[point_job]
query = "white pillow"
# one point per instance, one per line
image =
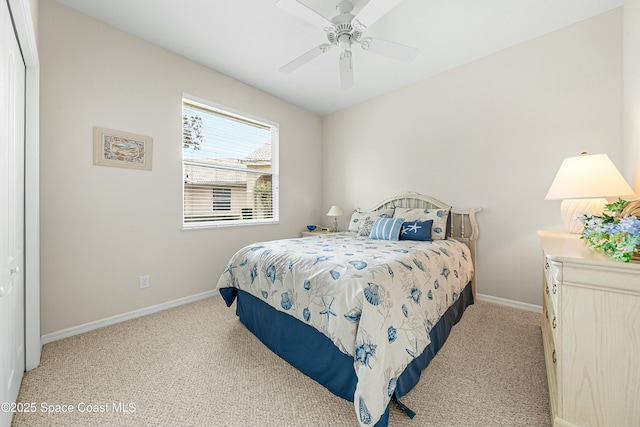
(440, 219)
(361, 222)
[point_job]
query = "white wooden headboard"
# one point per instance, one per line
(464, 226)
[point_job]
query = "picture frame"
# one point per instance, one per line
(121, 149)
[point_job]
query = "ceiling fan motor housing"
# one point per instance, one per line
(342, 33)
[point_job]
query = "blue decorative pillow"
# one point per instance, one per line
(386, 229)
(440, 217)
(416, 230)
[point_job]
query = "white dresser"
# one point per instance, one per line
(591, 334)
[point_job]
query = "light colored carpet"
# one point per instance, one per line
(197, 365)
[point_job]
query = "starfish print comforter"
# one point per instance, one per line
(377, 300)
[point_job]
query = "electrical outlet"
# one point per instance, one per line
(145, 281)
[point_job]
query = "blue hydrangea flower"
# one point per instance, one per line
(307, 284)
(405, 310)
(306, 313)
(445, 272)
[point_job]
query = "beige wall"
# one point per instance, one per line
(491, 134)
(102, 227)
(631, 95)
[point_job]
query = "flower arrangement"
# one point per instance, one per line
(616, 232)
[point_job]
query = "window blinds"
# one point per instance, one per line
(229, 167)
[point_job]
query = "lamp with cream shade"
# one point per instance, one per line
(583, 183)
(335, 212)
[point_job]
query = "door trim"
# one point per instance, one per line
(23, 20)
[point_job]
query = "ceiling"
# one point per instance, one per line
(250, 40)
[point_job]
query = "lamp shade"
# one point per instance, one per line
(335, 211)
(588, 176)
(583, 183)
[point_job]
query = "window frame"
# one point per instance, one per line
(224, 111)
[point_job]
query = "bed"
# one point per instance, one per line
(364, 311)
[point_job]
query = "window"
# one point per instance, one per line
(221, 199)
(229, 164)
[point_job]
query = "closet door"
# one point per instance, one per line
(12, 91)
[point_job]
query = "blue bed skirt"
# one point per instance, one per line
(316, 356)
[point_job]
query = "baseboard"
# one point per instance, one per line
(76, 330)
(80, 329)
(510, 303)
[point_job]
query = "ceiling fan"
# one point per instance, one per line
(343, 31)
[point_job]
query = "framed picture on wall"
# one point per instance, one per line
(121, 149)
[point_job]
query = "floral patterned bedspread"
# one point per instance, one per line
(377, 300)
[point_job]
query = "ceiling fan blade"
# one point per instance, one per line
(305, 13)
(346, 70)
(304, 58)
(373, 11)
(393, 50)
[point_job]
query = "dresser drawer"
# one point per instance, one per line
(551, 317)
(553, 280)
(551, 358)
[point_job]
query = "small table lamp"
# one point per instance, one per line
(335, 212)
(583, 182)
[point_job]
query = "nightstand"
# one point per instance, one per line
(315, 232)
(591, 334)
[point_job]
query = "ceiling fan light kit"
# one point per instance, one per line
(343, 30)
